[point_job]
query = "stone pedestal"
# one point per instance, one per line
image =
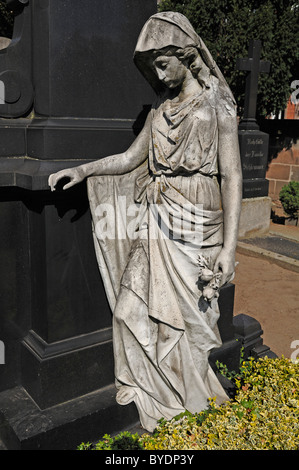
(249, 332)
(67, 393)
(229, 352)
(255, 217)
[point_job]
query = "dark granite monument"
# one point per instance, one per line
(253, 142)
(72, 94)
(253, 148)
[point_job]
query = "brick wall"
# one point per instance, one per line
(284, 147)
(282, 169)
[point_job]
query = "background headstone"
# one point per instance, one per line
(256, 207)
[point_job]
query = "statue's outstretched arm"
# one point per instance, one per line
(113, 165)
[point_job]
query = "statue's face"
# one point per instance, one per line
(170, 70)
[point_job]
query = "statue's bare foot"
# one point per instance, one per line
(125, 395)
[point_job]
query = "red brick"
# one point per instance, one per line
(278, 171)
(278, 186)
(271, 191)
(285, 156)
(294, 176)
(295, 151)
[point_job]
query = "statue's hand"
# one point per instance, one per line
(225, 263)
(74, 174)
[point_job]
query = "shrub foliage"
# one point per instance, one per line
(264, 415)
(289, 198)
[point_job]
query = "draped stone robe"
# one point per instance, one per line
(163, 329)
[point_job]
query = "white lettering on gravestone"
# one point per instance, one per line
(2, 92)
(248, 166)
(295, 94)
(2, 353)
(255, 141)
(254, 154)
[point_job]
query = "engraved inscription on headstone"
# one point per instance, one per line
(254, 154)
(254, 157)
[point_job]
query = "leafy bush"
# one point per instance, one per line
(264, 415)
(289, 198)
(123, 441)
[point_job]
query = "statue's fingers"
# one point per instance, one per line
(52, 182)
(217, 267)
(226, 275)
(69, 185)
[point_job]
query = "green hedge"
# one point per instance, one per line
(289, 198)
(264, 415)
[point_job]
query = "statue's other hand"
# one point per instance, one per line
(72, 173)
(225, 263)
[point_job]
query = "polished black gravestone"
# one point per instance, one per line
(254, 146)
(253, 142)
(73, 94)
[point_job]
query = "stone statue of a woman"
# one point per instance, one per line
(186, 156)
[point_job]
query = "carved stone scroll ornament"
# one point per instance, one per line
(16, 63)
(162, 276)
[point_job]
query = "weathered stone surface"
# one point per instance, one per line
(163, 282)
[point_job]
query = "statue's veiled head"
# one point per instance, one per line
(171, 64)
(170, 34)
